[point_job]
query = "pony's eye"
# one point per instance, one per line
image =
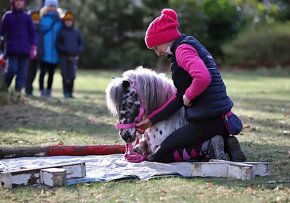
(130, 104)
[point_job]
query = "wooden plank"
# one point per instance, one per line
(235, 170)
(31, 176)
(53, 177)
(75, 171)
(259, 168)
(240, 171)
(209, 169)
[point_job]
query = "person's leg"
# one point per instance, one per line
(72, 76)
(51, 70)
(11, 69)
(43, 69)
(31, 73)
(192, 134)
(64, 74)
(21, 74)
(72, 66)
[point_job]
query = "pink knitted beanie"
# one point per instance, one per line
(163, 29)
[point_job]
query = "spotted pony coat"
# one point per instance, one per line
(145, 87)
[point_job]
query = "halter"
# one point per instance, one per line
(132, 125)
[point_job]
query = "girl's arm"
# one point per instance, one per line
(188, 58)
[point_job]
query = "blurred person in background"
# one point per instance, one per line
(69, 44)
(34, 62)
(18, 33)
(50, 24)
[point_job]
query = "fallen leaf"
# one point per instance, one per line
(60, 143)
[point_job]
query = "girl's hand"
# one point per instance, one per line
(186, 101)
(143, 125)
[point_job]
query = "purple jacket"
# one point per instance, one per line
(18, 30)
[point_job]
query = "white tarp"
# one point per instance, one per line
(103, 168)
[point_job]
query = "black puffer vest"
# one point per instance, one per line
(213, 101)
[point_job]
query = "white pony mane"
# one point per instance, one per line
(155, 88)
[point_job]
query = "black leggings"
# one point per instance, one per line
(46, 67)
(192, 134)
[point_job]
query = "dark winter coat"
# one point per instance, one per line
(69, 42)
(18, 31)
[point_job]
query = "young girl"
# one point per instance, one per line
(69, 45)
(19, 36)
(200, 89)
(50, 24)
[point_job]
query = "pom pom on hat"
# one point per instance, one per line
(162, 29)
(51, 3)
(170, 12)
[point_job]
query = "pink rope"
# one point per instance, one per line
(131, 156)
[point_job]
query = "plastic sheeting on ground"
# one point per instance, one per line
(103, 168)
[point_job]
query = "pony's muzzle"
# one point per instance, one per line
(128, 135)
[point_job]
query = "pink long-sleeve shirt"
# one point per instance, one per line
(188, 58)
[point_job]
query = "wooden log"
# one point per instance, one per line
(31, 176)
(13, 152)
(60, 150)
(53, 177)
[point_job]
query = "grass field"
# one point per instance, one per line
(261, 97)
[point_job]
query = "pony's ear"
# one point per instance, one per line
(126, 84)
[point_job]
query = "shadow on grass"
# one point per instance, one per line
(87, 115)
(271, 114)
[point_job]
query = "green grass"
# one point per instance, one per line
(261, 97)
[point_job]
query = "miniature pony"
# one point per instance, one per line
(136, 96)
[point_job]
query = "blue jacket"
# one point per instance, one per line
(50, 24)
(212, 102)
(18, 31)
(69, 41)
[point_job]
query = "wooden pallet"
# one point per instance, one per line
(38, 175)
